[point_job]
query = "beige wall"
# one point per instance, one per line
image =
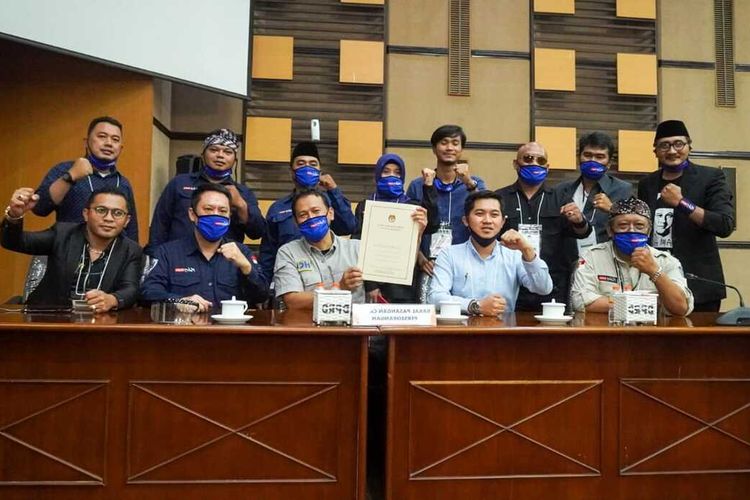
(160, 171)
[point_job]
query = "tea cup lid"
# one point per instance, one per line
(234, 301)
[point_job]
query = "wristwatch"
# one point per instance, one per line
(656, 275)
(473, 308)
(67, 178)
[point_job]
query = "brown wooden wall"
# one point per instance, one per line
(46, 103)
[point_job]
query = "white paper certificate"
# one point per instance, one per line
(388, 250)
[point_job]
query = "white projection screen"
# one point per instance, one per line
(199, 42)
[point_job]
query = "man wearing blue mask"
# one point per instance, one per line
(171, 221)
(319, 257)
(536, 210)
(306, 173)
(453, 182)
(628, 263)
(390, 171)
(698, 202)
(68, 185)
(595, 189)
(204, 266)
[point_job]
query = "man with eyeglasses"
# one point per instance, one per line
(595, 189)
(68, 185)
(536, 210)
(89, 261)
(700, 205)
(627, 263)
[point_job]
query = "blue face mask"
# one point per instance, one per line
(679, 168)
(100, 164)
(443, 187)
(314, 229)
(307, 176)
(593, 170)
(213, 173)
(532, 174)
(212, 227)
(627, 242)
(390, 187)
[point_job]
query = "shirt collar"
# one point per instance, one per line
(495, 251)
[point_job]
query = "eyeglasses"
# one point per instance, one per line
(537, 160)
(633, 227)
(665, 146)
(117, 213)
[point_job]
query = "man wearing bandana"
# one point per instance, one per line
(390, 172)
(306, 174)
(627, 262)
(485, 274)
(700, 205)
(170, 220)
(319, 257)
(549, 222)
(205, 266)
(67, 186)
(595, 189)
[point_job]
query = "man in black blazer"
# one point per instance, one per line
(692, 205)
(89, 261)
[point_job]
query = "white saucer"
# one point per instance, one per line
(553, 320)
(451, 319)
(231, 320)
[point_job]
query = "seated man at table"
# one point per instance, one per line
(90, 261)
(205, 267)
(627, 262)
(320, 257)
(485, 274)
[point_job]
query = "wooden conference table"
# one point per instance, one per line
(119, 407)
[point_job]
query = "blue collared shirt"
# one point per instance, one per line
(282, 227)
(182, 270)
(461, 274)
(71, 207)
(171, 222)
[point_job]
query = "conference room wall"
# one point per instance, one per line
(160, 164)
(47, 100)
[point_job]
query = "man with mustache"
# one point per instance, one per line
(701, 205)
(628, 263)
(485, 274)
(68, 185)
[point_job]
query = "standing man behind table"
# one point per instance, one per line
(694, 205)
(595, 189)
(90, 260)
(68, 185)
(535, 210)
(171, 221)
(485, 274)
(305, 171)
(453, 182)
(204, 266)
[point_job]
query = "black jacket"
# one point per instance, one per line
(695, 246)
(63, 243)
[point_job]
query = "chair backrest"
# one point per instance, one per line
(35, 273)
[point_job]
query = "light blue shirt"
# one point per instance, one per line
(461, 274)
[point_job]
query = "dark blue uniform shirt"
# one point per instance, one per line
(171, 222)
(182, 270)
(282, 227)
(71, 208)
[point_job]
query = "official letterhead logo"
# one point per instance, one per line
(391, 218)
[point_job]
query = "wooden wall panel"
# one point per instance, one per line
(47, 101)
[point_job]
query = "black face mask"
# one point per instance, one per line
(481, 241)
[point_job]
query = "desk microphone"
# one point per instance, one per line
(733, 317)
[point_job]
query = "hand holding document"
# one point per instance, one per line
(390, 236)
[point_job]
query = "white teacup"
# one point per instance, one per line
(233, 308)
(450, 309)
(553, 309)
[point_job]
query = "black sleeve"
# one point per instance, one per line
(430, 203)
(126, 288)
(719, 206)
(14, 238)
(359, 215)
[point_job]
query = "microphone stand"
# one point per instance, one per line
(739, 316)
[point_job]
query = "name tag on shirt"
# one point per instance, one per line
(533, 233)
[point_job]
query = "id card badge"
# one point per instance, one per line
(441, 239)
(586, 243)
(533, 233)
